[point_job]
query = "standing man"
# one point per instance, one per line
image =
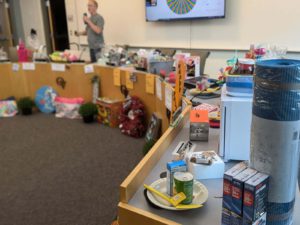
(94, 30)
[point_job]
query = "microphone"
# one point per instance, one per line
(85, 14)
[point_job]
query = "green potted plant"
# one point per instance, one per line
(25, 105)
(88, 112)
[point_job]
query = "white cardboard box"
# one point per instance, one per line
(202, 172)
(235, 127)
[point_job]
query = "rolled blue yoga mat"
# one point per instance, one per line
(275, 134)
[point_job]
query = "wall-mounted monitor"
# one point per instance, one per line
(162, 10)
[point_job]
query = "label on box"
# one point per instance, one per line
(150, 79)
(260, 221)
(158, 88)
(238, 190)
(58, 67)
(236, 219)
(169, 97)
(89, 68)
(129, 83)
(226, 217)
(255, 197)
(117, 77)
(15, 67)
(28, 66)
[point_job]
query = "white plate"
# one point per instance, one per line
(200, 194)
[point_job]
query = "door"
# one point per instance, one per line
(58, 24)
(5, 28)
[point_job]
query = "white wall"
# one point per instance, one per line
(247, 21)
(32, 17)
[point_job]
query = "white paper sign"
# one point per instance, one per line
(89, 68)
(168, 97)
(158, 88)
(58, 67)
(28, 66)
(15, 67)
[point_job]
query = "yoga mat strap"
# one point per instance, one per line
(280, 213)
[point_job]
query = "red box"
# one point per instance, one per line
(109, 111)
(199, 125)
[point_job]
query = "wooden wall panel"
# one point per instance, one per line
(5, 81)
(78, 84)
(19, 83)
(129, 215)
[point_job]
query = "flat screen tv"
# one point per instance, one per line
(162, 10)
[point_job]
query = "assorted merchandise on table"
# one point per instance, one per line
(189, 165)
(275, 108)
(179, 191)
(255, 193)
(236, 100)
(239, 72)
(152, 61)
(68, 56)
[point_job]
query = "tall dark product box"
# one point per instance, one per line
(238, 184)
(236, 219)
(227, 184)
(226, 217)
(255, 198)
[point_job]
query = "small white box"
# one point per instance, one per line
(202, 172)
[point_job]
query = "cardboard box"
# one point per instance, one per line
(215, 170)
(199, 125)
(236, 219)
(109, 111)
(255, 197)
(260, 221)
(227, 183)
(183, 150)
(226, 217)
(238, 183)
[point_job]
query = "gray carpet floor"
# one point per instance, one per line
(62, 172)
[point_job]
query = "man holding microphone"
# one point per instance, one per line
(94, 30)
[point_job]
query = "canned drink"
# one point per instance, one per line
(184, 182)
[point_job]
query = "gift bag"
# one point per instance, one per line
(44, 99)
(68, 107)
(8, 108)
(132, 118)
